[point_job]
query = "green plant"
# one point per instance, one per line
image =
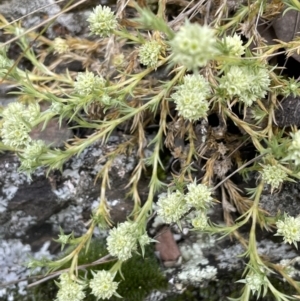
(208, 74)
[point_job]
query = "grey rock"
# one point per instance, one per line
(288, 113)
(287, 27)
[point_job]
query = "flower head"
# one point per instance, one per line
(102, 21)
(32, 113)
(294, 148)
(106, 100)
(234, 45)
(171, 206)
(144, 240)
(289, 228)
(292, 88)
(122, 241)
(69, 290)
(198, 196)
(245, 82)
(15, 132)
(60, 45)
(190, 97)
(32, 151)
(255, 281)
(273, 175)
(103, 286)
(56, 107)
(16, 125)
(149, 53)
(86, 83)
(193, 45)
(200, 221)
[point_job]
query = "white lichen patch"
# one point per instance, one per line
(229, 259)
(70, 219)
(196, 268)
(20, 222)
(197, 274)
(13, 257)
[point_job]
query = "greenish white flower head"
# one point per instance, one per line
(172, 206)
(106, 100)
(194, 45)
(87, 83)
(13, 109)
(144, 240)
(190, 97)
(56, 107)
(69, 290)
(289, 228)
(122, 241)
(292, 87)
(102, 21)
(294, 148)
(149, 53)
(34, 149)
(32, 152)
(103, 286)
(17, 124)
(198, 196)
(32, 113)
(234, 45)
(255, 281)
(15, 133)
(60, 45)
(245, 82)
(200, 221)
(273, 175)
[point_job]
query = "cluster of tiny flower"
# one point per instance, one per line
(102, 21)
(245, 82)
(87, 83)
(198, 196)
(122, 241)
(194, 45)
(60, 46)
(149, 53)
(103, 286)
(18, 122)
(200, 221)
(190, 97)
(173, 206)
(234, 45)
(292, 88)
(69, 290)
(255, 281)
(16, 126)
(273, 175)
(294, 148)
(289, 228)
(31, 154)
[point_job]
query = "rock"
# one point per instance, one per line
(31, 211)
(288, 113)
(287, 27)
(167, 248)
